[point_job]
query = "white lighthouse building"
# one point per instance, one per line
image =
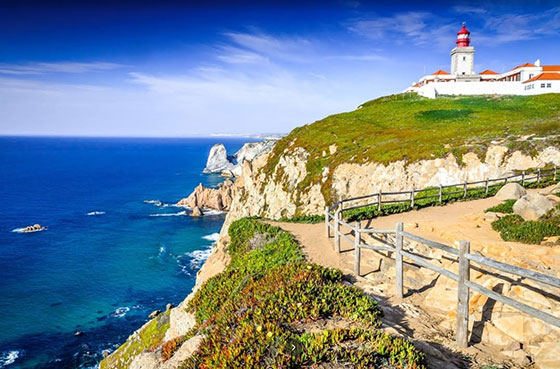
(525, 79)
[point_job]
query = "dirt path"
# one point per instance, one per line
(410, 317)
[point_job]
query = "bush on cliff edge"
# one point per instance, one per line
(254, 314)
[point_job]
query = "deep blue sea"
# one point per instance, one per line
(107, 258)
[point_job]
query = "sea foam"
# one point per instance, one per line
(212, 237)
(120, 312)
(169, 214)
(8, 357)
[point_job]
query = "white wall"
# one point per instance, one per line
(486, 88)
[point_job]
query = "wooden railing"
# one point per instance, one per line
(396, 247)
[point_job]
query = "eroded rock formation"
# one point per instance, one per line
(210, 198)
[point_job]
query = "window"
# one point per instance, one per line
(530, 76)
(548, 85)
(464, 58)
(543, 85)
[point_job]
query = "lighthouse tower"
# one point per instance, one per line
(462, 56)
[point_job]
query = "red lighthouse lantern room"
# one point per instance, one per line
(463, 39)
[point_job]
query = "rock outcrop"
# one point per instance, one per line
(218, 160)
(210, 198)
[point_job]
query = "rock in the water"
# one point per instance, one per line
(511, 191)
(532, 206)
(218, 160)
(210, 198)
(196, 212)
(154, 313)
(253, 150)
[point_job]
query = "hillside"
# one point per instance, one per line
(411, 128)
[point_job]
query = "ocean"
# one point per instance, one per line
(110, 255)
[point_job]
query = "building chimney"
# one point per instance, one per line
(538, 62)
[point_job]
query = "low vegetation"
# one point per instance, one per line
(505, 207)
(254, 313)
(411, 128)
(149, 337)
(512, 227)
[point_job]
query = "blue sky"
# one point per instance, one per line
(160, 68)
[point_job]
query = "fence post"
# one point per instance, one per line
(399, 261)
(357, 255)
(327, 229)
(523, 179)
(554, 178)
(486, 185)
(379, 202)
(463, 296)
(440, 197)
(412, 198)
(539, 175)
(465, 189)
(337, 230)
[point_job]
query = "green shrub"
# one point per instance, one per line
(505, 207)
(514, 228)
(251, 311)
(307, 219)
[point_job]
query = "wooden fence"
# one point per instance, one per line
(462, 255)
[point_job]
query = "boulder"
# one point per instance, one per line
(218, 160)
(532, 206)
(196, 212)
(511, 191)
(491, 217)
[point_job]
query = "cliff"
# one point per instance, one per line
(392, 143)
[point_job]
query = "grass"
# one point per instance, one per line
(251, 311)
(412, 128)
(512, 227)
(150, 336)
(505, 207)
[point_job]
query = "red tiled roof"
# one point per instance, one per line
(551, 68)
(545, 77)
(440, 72)
(526, 65)
(416, 85)
(489, 72)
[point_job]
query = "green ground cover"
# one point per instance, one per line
(411, 128)
(253, 312)
(512, 227)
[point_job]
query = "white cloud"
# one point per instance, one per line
(416, 28)
(58, 67)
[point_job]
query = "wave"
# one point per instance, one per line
(198, 257)
(169, 214)
(212, 237)
(95, 213)
(120, 312)
(8, 357)
(157, 202)
(212, 212)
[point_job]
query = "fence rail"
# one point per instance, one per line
(409, 197)
(462, 255)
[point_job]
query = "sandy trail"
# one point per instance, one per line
(447, 224)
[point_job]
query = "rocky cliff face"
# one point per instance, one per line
(285, 193)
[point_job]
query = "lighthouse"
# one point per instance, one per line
(462, 56)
